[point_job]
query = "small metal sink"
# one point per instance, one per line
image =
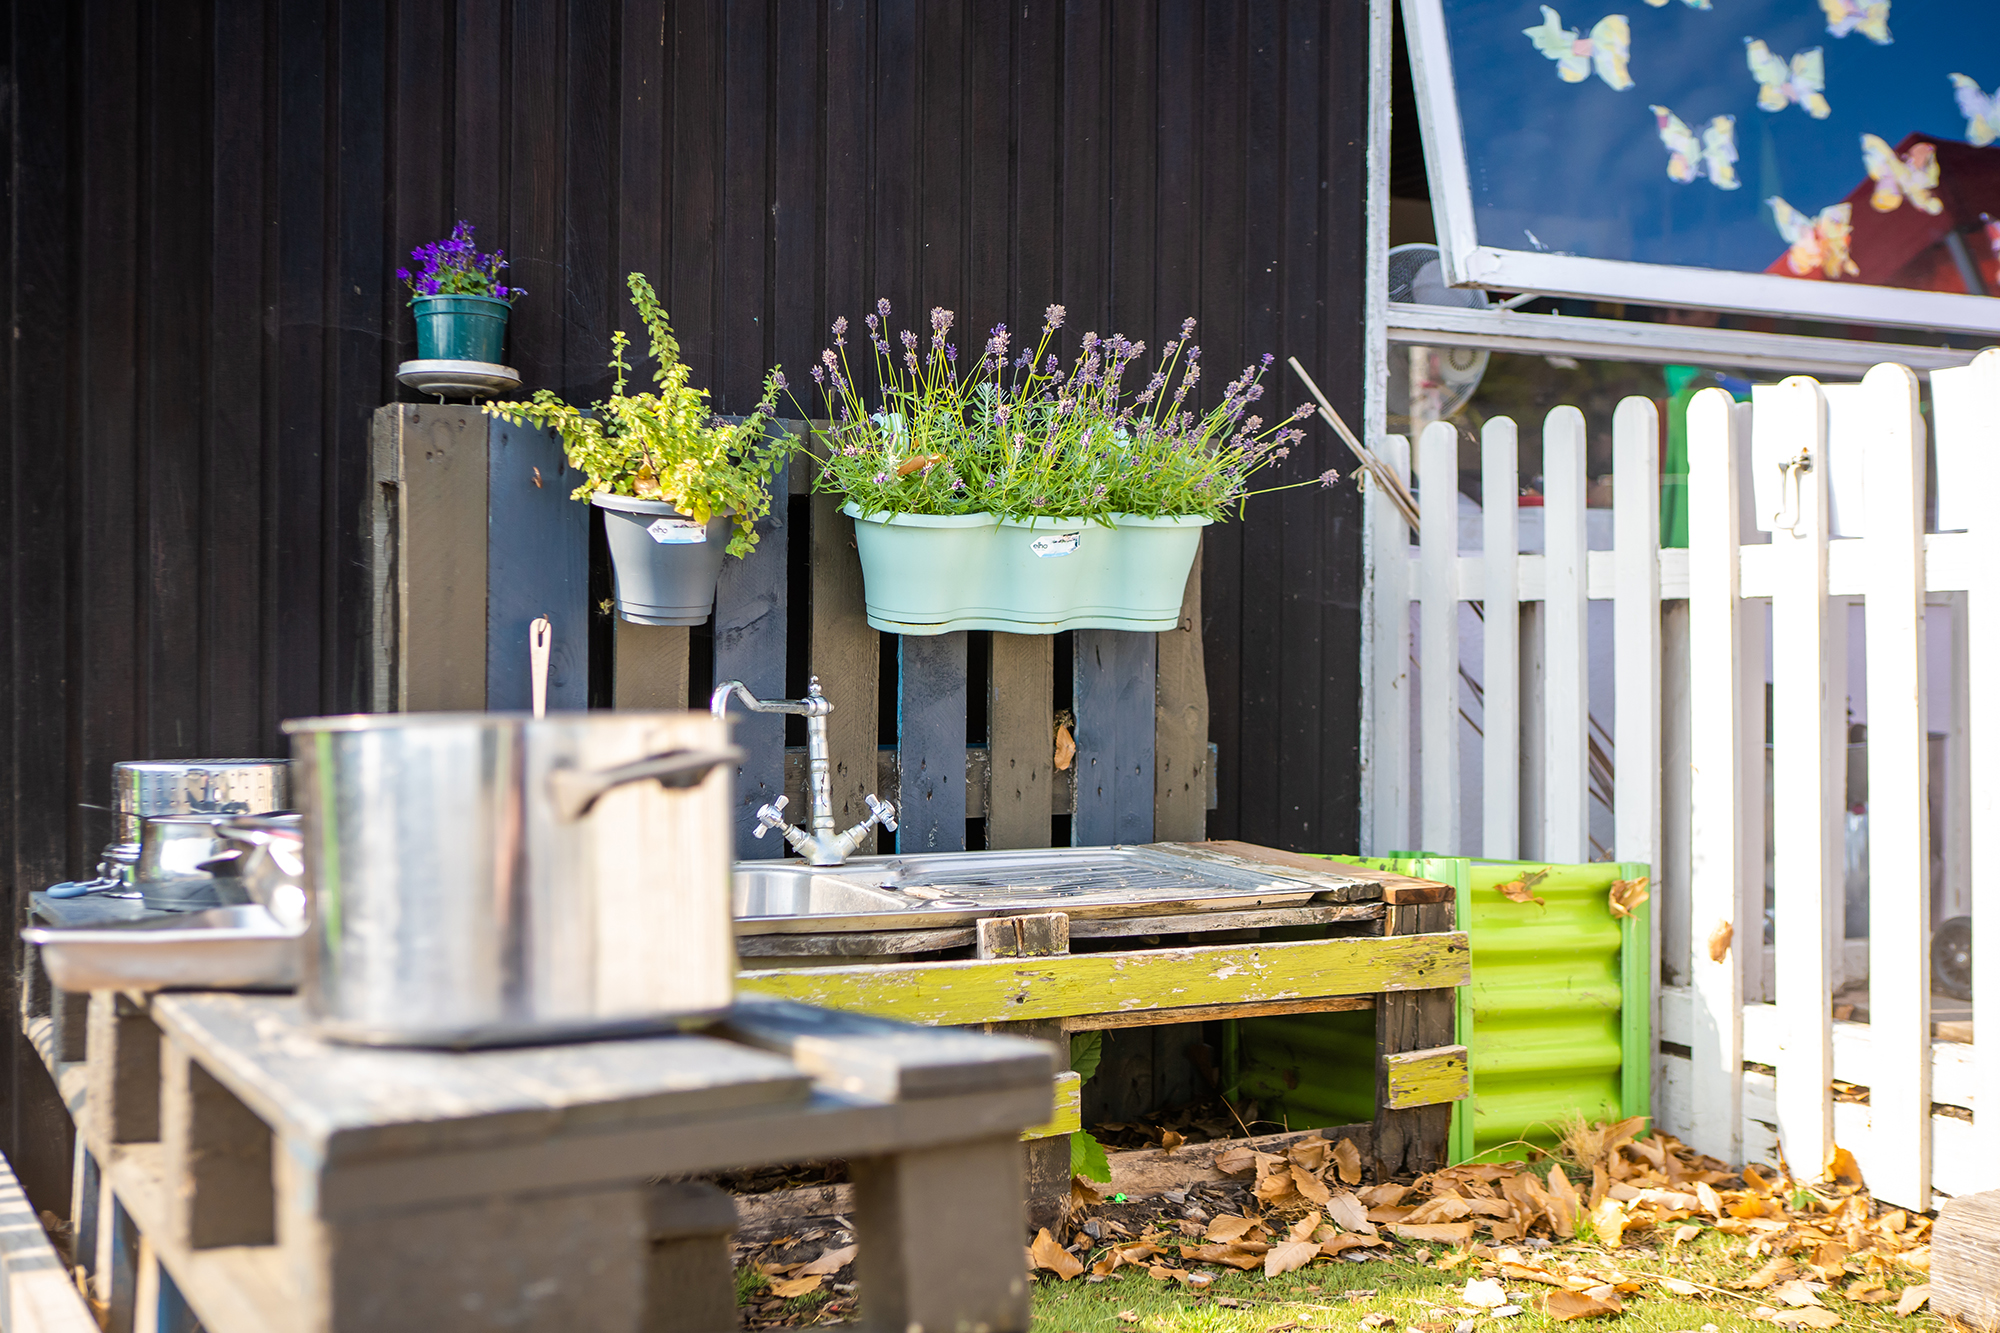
(930, 891)
(763, 889)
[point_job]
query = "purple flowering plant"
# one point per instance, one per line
(667, 445)
(1019, 435)
(454, 267)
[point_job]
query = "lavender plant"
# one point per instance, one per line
(666, 446)
(1019, 436)
(454, 267)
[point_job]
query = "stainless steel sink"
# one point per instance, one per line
(950, 889)
(762, 889)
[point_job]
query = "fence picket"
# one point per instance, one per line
(1795, 414)
(1890, 442)
(1715, 1103)
(1565, 621)
(1981, 452)
(1387, 752)
(1438, 645)
(1500, 545)
(1753, 628)
(1635, 525)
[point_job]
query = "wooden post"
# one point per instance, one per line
(1020, 740)
(1965, 1249)
(218, 1160)
(1437, 471)
(1180, 725)
(123, 1076)
(1385, 756)
(1412, 1138)
(919, 1214)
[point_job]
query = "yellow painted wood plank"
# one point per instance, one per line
(1016, 989)
(1426, 1077)
(1069, 1109)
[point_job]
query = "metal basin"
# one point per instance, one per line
(764, 890)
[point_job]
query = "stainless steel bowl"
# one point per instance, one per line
(141, 789)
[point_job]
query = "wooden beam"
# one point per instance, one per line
(1425, 1078)
(1012, 990)
(1180, 724)
(1020, 735)
(1201, 1013)
(1068, 1117)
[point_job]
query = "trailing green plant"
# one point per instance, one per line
(1026, 438)
(666, 445)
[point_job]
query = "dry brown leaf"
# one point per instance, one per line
(1610, 1220)
(918, 464)
(1383, 1196)
(1348, 1158)
(1718, 941)
(1379, 1319)
(1521, 890)
(1228, 1226)
(1453, 1260)
(1913, 1299)
(1347, 1213)
(1753, 1180)
(1309, 1153)
(830, 1262)
(1169, 1140)
(1454, 1233)
(1065, 748)
(1711, 1202)
(1311, 1186)
(1390, 1214)
(1336, 1244)
(1445, 1208)
(789, 1287)
(1812, 1316)
(1868, 1291)
(1680, 1288)
(1565, 1205)
(1919, 1258)
(1682, 1235)
(1794, 1293)
(1287, 1255)
(1236, 1161)
(1128, 1316)
(1750, 1205)
(1626, 894)
(1841, 1167)
(1048, 1254)
(1485, 1293)
(1777, 1270)
(1084, 1192)
(1580, 1305)
(1237, 1254)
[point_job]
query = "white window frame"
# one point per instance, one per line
(1468, 263)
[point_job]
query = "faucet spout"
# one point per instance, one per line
(822, 846)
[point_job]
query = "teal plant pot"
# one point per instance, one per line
(460, 328)
(933, 574)
(664, 565)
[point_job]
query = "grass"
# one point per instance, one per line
(1418, 1294)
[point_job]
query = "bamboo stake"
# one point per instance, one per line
(1391, 484)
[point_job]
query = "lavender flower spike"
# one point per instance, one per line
(1329, 477)
(1054, 315)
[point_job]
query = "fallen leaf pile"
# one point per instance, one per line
(1602, 1225)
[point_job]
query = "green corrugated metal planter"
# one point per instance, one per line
(1556, 1019)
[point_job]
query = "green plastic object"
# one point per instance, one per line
(936, 573)
(460, 328)
(1556, 1021)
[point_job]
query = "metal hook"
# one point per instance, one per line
(1791, 495)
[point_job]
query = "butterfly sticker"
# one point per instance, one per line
(1818, 243)
(1607, 48)
(1982, 113)
(1899, 178)
(1870, 18)
(1689, 158)
(1780, 85)
(1691, 4)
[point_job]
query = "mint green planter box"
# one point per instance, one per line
(933, 574)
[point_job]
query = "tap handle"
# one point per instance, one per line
(772, 816)
(884, 812)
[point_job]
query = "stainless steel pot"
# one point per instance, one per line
(172, 872)
(144, 788)
(266, 855)
(484, 878)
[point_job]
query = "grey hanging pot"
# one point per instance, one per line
(664, 564)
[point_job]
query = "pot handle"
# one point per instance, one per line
(573, 793)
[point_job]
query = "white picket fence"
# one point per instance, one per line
(1835, 476)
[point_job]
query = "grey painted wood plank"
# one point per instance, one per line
(1180, 725)
(930, 742)
(538, 564)
(441, 559)
(845, 652)
(885, 1060)
(1020, 732)
(649, 665)
(750, 610)
(1113, 689)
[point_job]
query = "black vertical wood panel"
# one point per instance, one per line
(750, 633)
(207, 202)
(930, 743)
(1113, 691)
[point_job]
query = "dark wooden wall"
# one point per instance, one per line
(207, 200)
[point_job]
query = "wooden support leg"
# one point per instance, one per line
(218, 1160)
(690, 1283)
(124, 1071)
(117, 1278)
(86, 1188)
(1417, 1138)
(1035, 936)
(939, 1231)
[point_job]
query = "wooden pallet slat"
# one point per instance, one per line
(1113, 684)
(930, 742)
(750, 608)
(1020, 739)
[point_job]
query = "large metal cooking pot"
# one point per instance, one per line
(493, 878)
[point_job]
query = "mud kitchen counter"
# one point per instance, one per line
(1322, 937)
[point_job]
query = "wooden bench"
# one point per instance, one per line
(277, 1182)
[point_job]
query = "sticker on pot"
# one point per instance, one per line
(677, 531)
(1055, 544)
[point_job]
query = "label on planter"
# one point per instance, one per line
(1055, 544)
(677, 531)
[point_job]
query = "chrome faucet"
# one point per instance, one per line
(822, 846)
